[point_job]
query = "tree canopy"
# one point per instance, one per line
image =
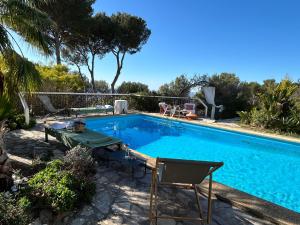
(102, 86)
(68, 17)
(120, 33)
(83, 47)
(59, 78)
(132, 87)
(130, 33)
(182, 85)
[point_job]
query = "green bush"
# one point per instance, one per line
(245, 117)
(59, 78)
(276, 108)
(13, 212)
(24, 203)
(53, 187)
(17, 121)
(6, 107)
(146, 104)
(233, 94)
(59, 189)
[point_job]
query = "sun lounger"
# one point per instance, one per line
(184, 174)
(97, 109)
(88, 138)
(97, 142)
(50, 108)
(78, 111)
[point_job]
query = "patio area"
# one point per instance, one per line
(120, 199)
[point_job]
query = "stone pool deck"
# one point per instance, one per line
(119, 198)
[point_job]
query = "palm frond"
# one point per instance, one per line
(5, 109)
(4, 40)
(21, 74)
(27, 21)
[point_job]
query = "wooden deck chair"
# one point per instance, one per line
(185, 174)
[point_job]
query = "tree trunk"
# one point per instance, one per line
(119, 68)
(80, 73)
(92, 73)
(115, 80)
(57, 49)
(93, 84)
(5, 167)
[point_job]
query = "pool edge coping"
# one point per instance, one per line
(216, 125)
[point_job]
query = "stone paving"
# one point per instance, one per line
(30, 144)
(121, 199)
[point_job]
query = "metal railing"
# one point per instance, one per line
(60, 100)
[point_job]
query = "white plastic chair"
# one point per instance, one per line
(190, 107)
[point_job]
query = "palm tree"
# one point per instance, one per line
(25, 19)
(17, 73)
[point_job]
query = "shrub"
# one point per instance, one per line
(59, 78)
(12, 212)
(53, 187)
(276, 108)
(233, 94)
(6, 107)
(147, 104)
(79, 162)
(24, 203)
(245, 117)
(60, 186)
(17, 121)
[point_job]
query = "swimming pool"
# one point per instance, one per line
(264, 167)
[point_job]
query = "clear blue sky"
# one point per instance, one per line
(256, 39)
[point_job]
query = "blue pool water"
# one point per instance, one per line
(264, 167)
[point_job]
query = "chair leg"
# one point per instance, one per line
(209, 200)
(151, 196)
(46, 136)
(198, 202)
(156, 193)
